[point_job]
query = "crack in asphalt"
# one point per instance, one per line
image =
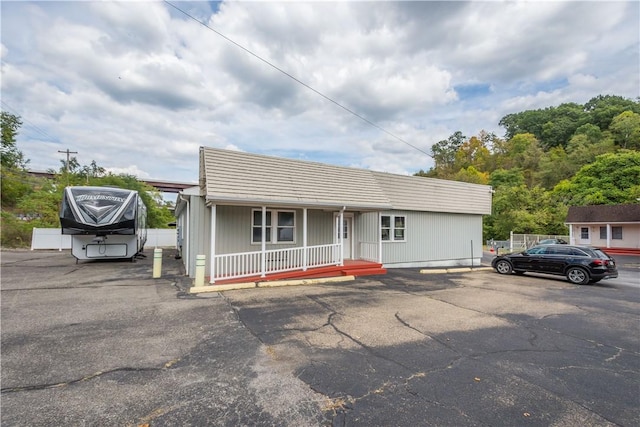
(92, 376)
(527, 325)
(55, 288)
(553, 393)
(369, 349)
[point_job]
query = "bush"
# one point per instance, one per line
(14, 232)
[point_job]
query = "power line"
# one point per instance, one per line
(36, 128)
(296, 79)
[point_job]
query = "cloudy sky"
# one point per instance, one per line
(139, 86)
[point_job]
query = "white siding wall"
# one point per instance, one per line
(630, 236)
(432, 239)
(199, 233)
(233, 229)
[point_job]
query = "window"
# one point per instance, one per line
(584, 233)
(603, 233)
(284, 222)
(616, 233)
(393, 228)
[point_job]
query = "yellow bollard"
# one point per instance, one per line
(201, 261)
(157, 263)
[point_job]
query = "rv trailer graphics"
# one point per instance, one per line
(95, 216)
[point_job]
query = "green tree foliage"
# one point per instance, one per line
(603, 108)
(625, 128)
(15, 183)
(472, 175)
(524, 210)
(613, 178)
(550, 159)
(444, 154)
(11, 156)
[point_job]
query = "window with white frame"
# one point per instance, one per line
(584, 233)
(393, 228)
(283, 222)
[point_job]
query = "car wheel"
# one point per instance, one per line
(578, 276)
(503, 267)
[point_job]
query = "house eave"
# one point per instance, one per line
(601, 222)
(221, 200)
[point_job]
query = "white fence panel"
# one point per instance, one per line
(49, 238)
(161, 237)
(52, 238)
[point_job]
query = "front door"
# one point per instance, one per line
(347, 227)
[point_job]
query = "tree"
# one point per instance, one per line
(524, 152)
(444, 153)
(11, 156)
(506, 178)
(14, 183)
(563, 122)
(474, 153)
(554, 167)
(603, 108)
(613, 178)
(625, 128)
(471, 175)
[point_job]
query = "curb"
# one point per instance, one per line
(273, 284)
(455, 270)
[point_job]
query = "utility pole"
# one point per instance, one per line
(67, 152)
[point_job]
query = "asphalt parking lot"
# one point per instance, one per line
(102, 343)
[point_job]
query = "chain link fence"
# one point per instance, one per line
(520, 242)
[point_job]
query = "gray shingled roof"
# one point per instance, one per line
(603, 213)
(245, 178)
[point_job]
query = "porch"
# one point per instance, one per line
(290, 263)
(350, 268)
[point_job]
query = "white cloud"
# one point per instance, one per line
(138, 87)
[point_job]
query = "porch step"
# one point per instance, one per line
(622, 251)
(351, 268)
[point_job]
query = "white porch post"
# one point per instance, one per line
(304, 239)
(212, 250)
(341, 231)
(186, 240)
(572, 240)
(608, 235)
(380, 237)
(263, 263)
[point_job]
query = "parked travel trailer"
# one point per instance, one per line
(104, 222)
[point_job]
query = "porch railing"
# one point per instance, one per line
(245, 264)
(369, 251)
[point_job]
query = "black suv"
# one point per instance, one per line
(580, 264)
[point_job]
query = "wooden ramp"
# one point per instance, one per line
(350, 268)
